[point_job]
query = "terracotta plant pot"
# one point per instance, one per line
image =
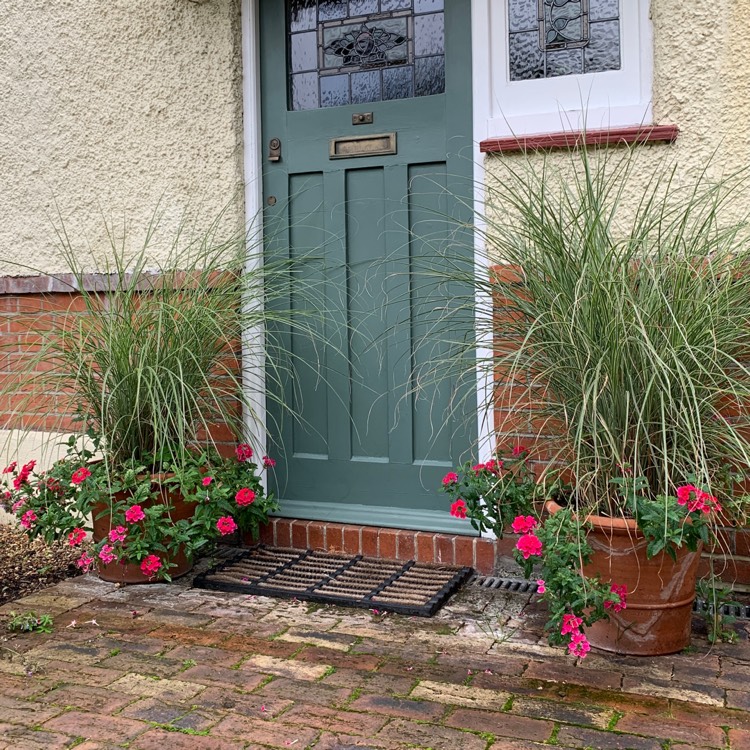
(130, 573)
(657, 619)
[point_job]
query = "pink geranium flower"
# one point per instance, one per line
(579, 645)
(570, 624)
(226, 525)
(206, 481)
(76, 537)
(540, 586)
(80, 475)
(84, 562)
(622, 591)
(28, 518)
(134, 514)
(519, 449)
(458, 509)
(529, 545)
(523, 524)
(10, 468)
(18, 505)
(107, 554)
(450, 478)
(150, 565)
(245, 496)
(269, 462)
(243, 452)
(118, 534)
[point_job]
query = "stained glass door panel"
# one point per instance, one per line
(364, 51)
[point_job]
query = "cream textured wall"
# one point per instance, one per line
(701, 82)
(110, 108)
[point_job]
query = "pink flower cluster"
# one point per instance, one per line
(450, 478)
(23, 475)
(28, 518)
(226, 525)
(696, 499)
(134, 514)
(458, 509)
(269, 462)
(529, 544)
(80, 475)
(493, 466)
(243, 452)
(150, 565)
(622, 591)
(245, 496)
(76, 537)
(107, 554)
(579, 645)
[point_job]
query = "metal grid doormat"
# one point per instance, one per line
(408, 588)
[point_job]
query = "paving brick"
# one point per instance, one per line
(246, 644)
(147, 665)
(205, 674)
(263, 732)
(21, 738)
(563, 712)
(87, 698)
(216, 657)
(668, 729)
(371, 682)
(459, 695)
(305, 692)
(401, 707)
(16, 711)
(91, 727)
(168, 690)
(153, 710)
(158, 739)
(362, 662)
(335, 721)
(565, 673)
(706, 694)
(337, 641)
(578, 737)
(186, 636)
(296, 670)
(501, 724)
(430, 736)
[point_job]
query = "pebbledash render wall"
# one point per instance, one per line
(112, 108)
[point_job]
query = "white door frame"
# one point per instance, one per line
(253, 166)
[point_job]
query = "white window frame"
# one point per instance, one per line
(576, 102)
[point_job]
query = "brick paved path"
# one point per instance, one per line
(170, 668)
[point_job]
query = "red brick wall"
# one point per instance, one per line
(25, 311)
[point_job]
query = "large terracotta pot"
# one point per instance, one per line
(661, 591)
(130, 573)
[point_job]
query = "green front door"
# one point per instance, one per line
(366, 110)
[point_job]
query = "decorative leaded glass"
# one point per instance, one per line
(364, 51)
(550, 38)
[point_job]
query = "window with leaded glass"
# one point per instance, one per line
(548, 38)
(358, 51)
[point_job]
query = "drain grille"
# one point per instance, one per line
(389, 585)
(511, 585)
(521, 586)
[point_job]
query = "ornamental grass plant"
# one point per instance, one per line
(620, 328)
(625, 327)
(154, 356)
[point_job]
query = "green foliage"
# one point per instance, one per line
(715, 595)
(30, 622)
(495, 492)
(63, 510)
(625, 326)
(564, 551)
(152, 358)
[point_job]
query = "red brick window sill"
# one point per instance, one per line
(573, 138)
